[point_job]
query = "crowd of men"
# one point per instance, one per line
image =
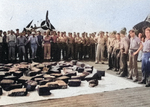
(50, 45)
(55, 46)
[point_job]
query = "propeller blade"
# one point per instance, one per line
(29, 24)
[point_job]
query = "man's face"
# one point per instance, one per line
(118, 36)
(83, 35)
(4, 33)
(28, 33)
(17, 31)
(121, 35)
(39, 33)
(100, 34)
(12, 32)
(147, 33)
(131, 34)
(139, 35)
(63, 33)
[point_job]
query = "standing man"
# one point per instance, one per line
(74, 45)
(40, 49)
(88, 43)
(47, 47)
(116, 51)
(105, 51)
(16, 48)
(54, 47)
(21, 40)
(101, 41)
(92, 47)
(28, 46)
(34, 43)
(65, 46)
(110, 49)
(124, 48)
(70, 44)
(140, 35)
(58, 47)
(83, 45)
(5, 48)
(145, 58)
(134, 45)
(78, 47)
(62, 43)
(11, 44)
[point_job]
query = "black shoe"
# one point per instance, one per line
(135, 80)
(147, 85)
(109, 69)
(103, 63)
(118, 73)
(115, 70)
(142, 82)
(122, 75)
(129, 78)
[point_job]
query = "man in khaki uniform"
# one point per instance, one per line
(70, 43)
(78, 47)
(58, 47)
(62, 42)
(105, 51)
(110, 46)
(83, 45)
(134, 45)
(124, 48)
(116, 51)
(101, 41)
(87, 45)
(92, 47)
(65, 45)
(74, 46)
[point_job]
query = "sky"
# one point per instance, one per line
(74, 15)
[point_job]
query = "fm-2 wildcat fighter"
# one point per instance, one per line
(45, 25)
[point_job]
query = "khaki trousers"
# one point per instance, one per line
(47, 51)
(133, 71)
(100, 52)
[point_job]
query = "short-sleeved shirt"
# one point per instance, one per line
(33, 40)
(117, 44)
(124, 44)
(21, 41)
(146, 46)
(134, 43)
(101, 40)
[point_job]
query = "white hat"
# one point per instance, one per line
(33, 33)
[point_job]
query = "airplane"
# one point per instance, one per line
(44, 26)
(140, 27)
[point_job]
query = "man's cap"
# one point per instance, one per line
(33, 33)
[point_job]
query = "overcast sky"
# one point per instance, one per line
(74, 15)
